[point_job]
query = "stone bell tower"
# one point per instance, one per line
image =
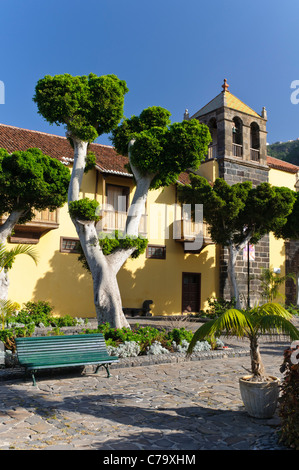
(239, 146)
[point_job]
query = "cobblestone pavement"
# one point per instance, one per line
(194, 405)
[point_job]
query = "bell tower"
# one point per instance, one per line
(239, 146)
(239, 137)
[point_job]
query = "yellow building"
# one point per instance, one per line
(174, 276)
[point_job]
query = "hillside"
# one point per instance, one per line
(287, 151)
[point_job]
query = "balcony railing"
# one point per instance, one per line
(237, 150)
(116, 220)
(255, 155)
(187, 230)
(43, 222)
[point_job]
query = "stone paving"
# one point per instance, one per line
(185, 406)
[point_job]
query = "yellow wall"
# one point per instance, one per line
(277, 246)
(60, 279)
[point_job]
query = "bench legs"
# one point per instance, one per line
(106, 367)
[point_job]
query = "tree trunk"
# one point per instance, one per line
(234, 289)
(5, 231)
(104, 269)
(4, 284)
(233, 251)
(257, 366)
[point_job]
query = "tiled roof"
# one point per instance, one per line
(107, 159)
(281, 165)
(225, 98)
(14, 138)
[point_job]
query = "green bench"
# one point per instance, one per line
(47, 352)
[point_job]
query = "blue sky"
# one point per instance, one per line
(171, 53)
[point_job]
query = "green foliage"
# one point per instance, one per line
(289, 401)
(217, 307)
(88, 106)
(291, 228)
(7, 310)
(270, 283)
(180, 334)
(235, 211)
(84, 209)
(7, 257)
(111, 242)
(287, 151)
(267, 318)
(31, 180)
(8, 335)
(90, 162)
(162, 149)
(114, 241)
(36, 313)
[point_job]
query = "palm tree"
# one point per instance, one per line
(267, 318)
(7, 308)
(270, 283)
(7, 258)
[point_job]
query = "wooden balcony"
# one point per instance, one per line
(31, 232)
(116, 220)
(186, 231)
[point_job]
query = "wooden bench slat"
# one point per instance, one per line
(44, 352)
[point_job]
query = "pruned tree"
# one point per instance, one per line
(238, 214)
(29, 181)
(157, 153)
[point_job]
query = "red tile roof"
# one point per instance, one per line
(281, 165)
(14, 138)
(107, 159)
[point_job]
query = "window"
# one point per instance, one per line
(254, 141)
(69, 245)
(156, 251)
(237, 137)
(118, 197)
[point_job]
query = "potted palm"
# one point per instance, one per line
(259, 391)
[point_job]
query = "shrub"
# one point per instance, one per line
(8, 335)
(177, 335)
(126, 349)
(289, 401)
(35, 312)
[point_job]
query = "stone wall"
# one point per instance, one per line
(234, 171)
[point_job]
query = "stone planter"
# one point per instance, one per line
(259, 398)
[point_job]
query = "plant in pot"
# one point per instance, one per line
(259, 391)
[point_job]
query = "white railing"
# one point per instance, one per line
(116, 220)
(188, 230)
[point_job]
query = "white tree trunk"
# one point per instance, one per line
(5, 231)
(104, 269)
(234, 290)
(233, 251)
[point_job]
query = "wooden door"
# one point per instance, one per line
(191, 292)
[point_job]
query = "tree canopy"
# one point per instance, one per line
(88, 106)
(31, 180)
(291, 228)
(240, 210)
(160, 148)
